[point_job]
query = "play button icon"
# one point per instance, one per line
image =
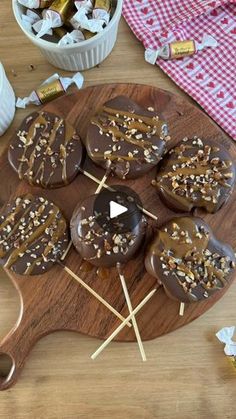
(118, 210)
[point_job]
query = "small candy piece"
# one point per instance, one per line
(46, 151)
(81, 21)
(75, 36)
(52, 88)
(36, 4)
(225, 335)
(188, 260)
(86, 5)
(133, 139)
(102, 10)
(30, 18)
(33, 235)
(53, 17)
(179, 49)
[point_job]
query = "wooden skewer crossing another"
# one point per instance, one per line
(122, 325)
(135, 326)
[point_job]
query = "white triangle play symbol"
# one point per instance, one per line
(116, 209)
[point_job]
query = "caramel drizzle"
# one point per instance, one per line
(145, 127)
(37, 232)
(181, 250)
(31, 160)
(198, 167)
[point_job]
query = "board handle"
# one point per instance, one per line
(14, 350)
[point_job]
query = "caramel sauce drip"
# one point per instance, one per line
(38, 123)
(130, 121)
(35, 227)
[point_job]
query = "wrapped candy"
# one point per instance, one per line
(81, 21)
(30, 18)
(36, 4)
(102, 10)
(179, 49)
(52, 88)
(86, 5)
(74, 37)
(225, 335)
(53, 17)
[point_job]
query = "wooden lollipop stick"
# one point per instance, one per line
(135, 326)
(122, 325)
(95, 179)
(67, 250)
(104, 179)
(94, 293)
(181, 309)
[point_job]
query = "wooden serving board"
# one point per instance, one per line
(54, 301)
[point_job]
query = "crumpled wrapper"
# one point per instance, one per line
(81, 21)
(179, 49)
(86, 5)
(225, 335)
(72, 38)
(54, 17)
(29, 18)
(52, 88)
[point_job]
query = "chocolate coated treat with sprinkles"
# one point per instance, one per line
(129, 136)
(33, 235)
(46, 151)
(188, 260)
(196, 173)
(96, 244)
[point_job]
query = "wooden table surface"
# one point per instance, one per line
(186, 375)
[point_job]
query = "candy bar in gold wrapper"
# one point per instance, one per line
(182, 49)
(62, 7)
(88, 34)
(53, 87)
(50, 91)
(60, 32)
(102, 10)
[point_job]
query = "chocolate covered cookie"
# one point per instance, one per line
(46, 151)
(33, 235)
(188, 260)
(96, 244)
(196, 173)
(131, 138)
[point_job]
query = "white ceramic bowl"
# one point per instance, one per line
(76, 57)
(7, 102)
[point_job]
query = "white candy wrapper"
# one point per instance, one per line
(225, 335)
(81, 21)
(54, 17)
(36, 4)
(179, 49)
(29, 19)
(72, 38)
(52, 88)
(86, 5)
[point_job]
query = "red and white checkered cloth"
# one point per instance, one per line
(208, 76)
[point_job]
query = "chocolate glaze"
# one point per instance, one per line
(46, 151)
(97, 245)
(33, 235)
(196, 173)
(132, 138)
(188, 260)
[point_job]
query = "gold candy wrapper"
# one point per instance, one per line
(233, 361)
(60, 32)
(225, 336)
(50, 92)
(103, 4)
(179, 49)
(63, 8)
(45, 3)
(52, 88)
(182, 49)
(88, 34)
